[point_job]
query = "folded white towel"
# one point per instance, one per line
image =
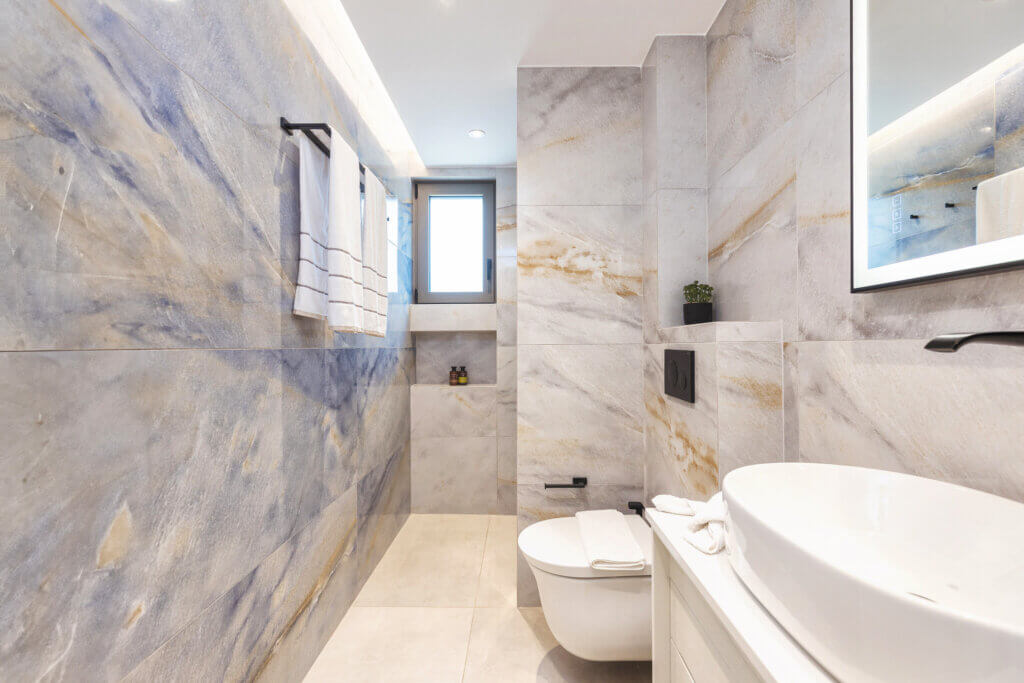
(674, 505)
(311, 284)
(607, 541)
(344, 241)
(999, 212)
(375, 258)
(706, 531)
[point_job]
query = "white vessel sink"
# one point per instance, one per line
(883, 576)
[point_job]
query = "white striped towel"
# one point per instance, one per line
(375, 258)
(311, 285)
(344, 241)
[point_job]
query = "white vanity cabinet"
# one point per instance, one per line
(707, 627)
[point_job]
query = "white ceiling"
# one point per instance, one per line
(450, 65)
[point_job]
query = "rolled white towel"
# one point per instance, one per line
(607, 541)
(706, 531)
(675, 505)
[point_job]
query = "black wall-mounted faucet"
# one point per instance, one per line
(949, 343)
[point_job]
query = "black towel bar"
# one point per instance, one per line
(577, 483)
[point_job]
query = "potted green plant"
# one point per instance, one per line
(697, 308)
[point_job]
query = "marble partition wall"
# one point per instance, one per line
(474, 474)
(580, 233)
(195, 483)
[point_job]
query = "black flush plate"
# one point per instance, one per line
(679, 374)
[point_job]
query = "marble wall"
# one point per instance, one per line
(195, 483)
(475, 474)
(858, 386)
(580, 353)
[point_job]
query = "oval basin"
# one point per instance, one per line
(883, 576)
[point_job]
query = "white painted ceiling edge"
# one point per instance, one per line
(335, 38)
(450, 65)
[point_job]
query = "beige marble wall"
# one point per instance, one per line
(194, 483)
(580, 314)
(490, 358)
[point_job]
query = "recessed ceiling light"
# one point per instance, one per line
(477, 133)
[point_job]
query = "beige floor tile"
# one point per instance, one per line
(434, 561)
(514, 645)
(498, 575)
(396, 644)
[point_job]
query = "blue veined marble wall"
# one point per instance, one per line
(194, 483)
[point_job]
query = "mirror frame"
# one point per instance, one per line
(989, 257)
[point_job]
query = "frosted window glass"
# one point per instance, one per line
(456, 244)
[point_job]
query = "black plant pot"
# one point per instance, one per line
(694, 314)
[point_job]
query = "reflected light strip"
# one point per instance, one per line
(941, 103)
(332, 33)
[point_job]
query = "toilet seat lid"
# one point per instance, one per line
(554, 546)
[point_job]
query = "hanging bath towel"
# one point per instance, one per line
(375, 258)
(311, 285)
(344, 241)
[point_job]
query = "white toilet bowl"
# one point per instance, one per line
(594, 614)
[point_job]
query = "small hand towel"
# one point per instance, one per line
(375, 257)
(344, 241)
(706, 531)
(674, 505)
(607, 541)
(311, 284)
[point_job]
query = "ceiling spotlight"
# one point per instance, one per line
(477, 133)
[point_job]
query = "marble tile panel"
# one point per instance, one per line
(443, 411)
(433, 646)
(437, 352)
(681, 439)
(497, 586)
(507, 475)
(516, 646)
(383, 507)
(887, 404)
(505, 184)
(752, 236)
(386, 416)
(822, 45)
(681, 72)
(507, 390)
(455, 475)
(139, 219)
(1010, 121)
(751, 77)
(273, 622)
(452, 317)
(682, 248)
(579, 136)
(580, 277)
(537, 504)
(580, 414)
(198, 448)
(409, 575)
(650, 306)
(750, 405)
(508, 321)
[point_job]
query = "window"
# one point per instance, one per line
(455, 242)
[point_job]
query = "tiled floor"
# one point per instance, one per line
(441, 606)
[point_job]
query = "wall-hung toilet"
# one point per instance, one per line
(594, 614)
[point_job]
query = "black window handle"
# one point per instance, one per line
(490, 268)
(577, 483)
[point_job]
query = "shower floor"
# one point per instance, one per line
(441, 606)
